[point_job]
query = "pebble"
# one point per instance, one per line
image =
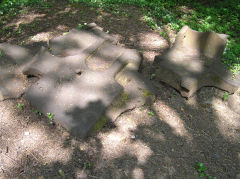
(26, 133)
(133, 137)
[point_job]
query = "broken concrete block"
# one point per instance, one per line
(87, 82)
(194, 61)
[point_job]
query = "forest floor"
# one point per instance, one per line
(165, 145)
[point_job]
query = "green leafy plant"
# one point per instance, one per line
(38, 112)
(174, 93)
(1, 54)
(65, 33)
(152, 76)
(19, 30)
(50, 116)
(87, 165)
(61, 172)
(225, 96)
(201, 169)
(151, 113)
(80, 26)
(20, 106)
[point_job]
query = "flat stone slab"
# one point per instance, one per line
(82, 87)
(137, 91)
(194, 61)
(79, 41)
(77, 103)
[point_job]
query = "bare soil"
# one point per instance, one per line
(137, 145)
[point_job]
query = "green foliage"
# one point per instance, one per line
(121, 100)
(201, 169)
(1, 54)
(61, 172)
(151, 113)
(38, 112)
(152, 76)
(50, 116)
(146, 93)
(11, 6)
(20, 106)
(87, 165)
(80, 26)
(100, 123)
(225, 96)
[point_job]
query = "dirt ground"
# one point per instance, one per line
(137, 145)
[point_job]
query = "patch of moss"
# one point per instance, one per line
(121, 100)
(147, 93)
(100, 123)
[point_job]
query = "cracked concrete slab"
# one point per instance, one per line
(194, 61)
(89, 82)
(78, 103)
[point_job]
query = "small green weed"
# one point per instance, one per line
(50, 116)
(201, 169)
(151, 23)
(65, 33)
(61, 172)
(87, 165)
(80, 26)
(152, 76)
(38, 112)
(20, 106)
(19, 30)
(225, 96)
(151, 113)
(1, 54)
(174, 93)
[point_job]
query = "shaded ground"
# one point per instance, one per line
(166, 145)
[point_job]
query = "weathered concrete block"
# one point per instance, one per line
(194, 61)
(79, 41)
(87, 83)
(104, 57)
(79, 102)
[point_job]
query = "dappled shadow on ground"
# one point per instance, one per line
(166, 145)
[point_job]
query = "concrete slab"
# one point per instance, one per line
(87, 81)
(194, 61)
(85, 40)
(78, 103)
